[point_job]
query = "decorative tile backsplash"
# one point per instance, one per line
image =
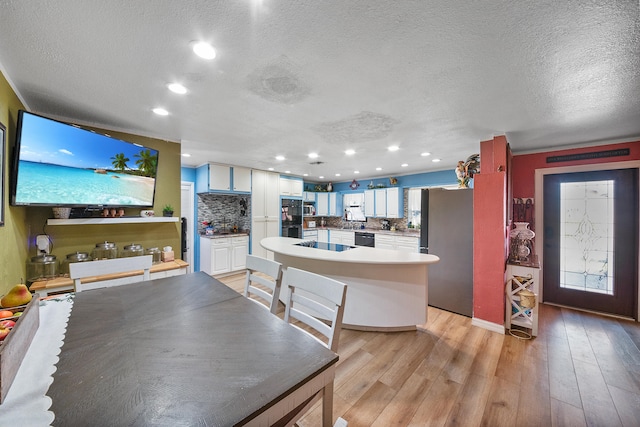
(224, 210)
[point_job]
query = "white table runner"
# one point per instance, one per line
(26, 403)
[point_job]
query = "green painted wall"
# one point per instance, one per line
(13, 235)
(22, 224)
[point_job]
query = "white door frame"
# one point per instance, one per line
(539, 204)
(188, 212)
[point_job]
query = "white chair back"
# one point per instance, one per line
(140, 265)
(317, 301)
(257, 269)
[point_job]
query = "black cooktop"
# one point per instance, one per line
(335, 247)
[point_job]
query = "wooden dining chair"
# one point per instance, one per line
(318, 302)
(267, 273)
(122, 271)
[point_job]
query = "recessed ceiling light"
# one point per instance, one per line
(425, 154)
(270, 169)
(337, 174)
(186, 155)
(287, 171)
(404, 165)
(350, 152)
(313, 155)
(356, 171)
(279, 157)
(305, 174)
(435, 160)
(204, 50)
(177, 88)
(161, 111)
(393, 148)
(321, 177)
(378, 169)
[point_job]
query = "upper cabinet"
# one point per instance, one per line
(384, 203)
(309, 196)
(290, 187)
(241, 179)
(223, 178)
(395, 202)
(328, 204)
(369, 203)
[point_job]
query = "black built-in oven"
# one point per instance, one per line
(365, 239)
(291, 210)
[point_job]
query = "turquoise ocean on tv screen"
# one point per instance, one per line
(44, 183)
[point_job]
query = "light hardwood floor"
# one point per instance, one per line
(581, 370)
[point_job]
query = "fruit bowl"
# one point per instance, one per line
(17, 342)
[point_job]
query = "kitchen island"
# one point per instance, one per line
(387, 290)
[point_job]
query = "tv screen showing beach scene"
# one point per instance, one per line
(58, 164)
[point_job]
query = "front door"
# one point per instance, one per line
(591, 240)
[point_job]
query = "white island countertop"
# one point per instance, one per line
(387, 290)
(358, 255)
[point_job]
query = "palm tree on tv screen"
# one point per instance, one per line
(147, 162)
(119, 162)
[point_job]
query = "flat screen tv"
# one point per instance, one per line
(57, 164)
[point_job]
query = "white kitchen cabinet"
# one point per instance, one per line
(342, 237)
(241, 179)
(310, 235)
(309, 196)
(334, 208)
(223, 254)
(220, 256)
(322, 204)
(327, 204)
(290, 187)
(213, 177)
(323, 236)
(219, 178)
(265, 210)
(381, 203)
(395, 202)
(385, 242)
(369, 203)
(384, 203)
(239, 250)
(398, 243)
(408, 244)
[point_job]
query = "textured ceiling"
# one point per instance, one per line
(293, 77)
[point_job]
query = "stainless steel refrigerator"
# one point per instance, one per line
(447, 231)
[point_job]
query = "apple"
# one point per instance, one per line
(5, 313)
(4, 331)
(8, 324)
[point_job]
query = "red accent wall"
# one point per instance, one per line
(525, 165)
(490, 231)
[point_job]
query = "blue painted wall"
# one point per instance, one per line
(427, 179)
(189, 175)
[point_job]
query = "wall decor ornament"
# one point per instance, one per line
(467, 169)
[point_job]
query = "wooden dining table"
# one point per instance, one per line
(184, 351)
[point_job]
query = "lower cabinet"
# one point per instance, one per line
(342, 237)
(323, 236)
(399, 243)
(223, 254)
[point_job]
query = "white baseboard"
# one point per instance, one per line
(494, 327)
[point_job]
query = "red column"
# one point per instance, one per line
(490, 229)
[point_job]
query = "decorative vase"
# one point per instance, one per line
(522, 230)
(521, 236)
